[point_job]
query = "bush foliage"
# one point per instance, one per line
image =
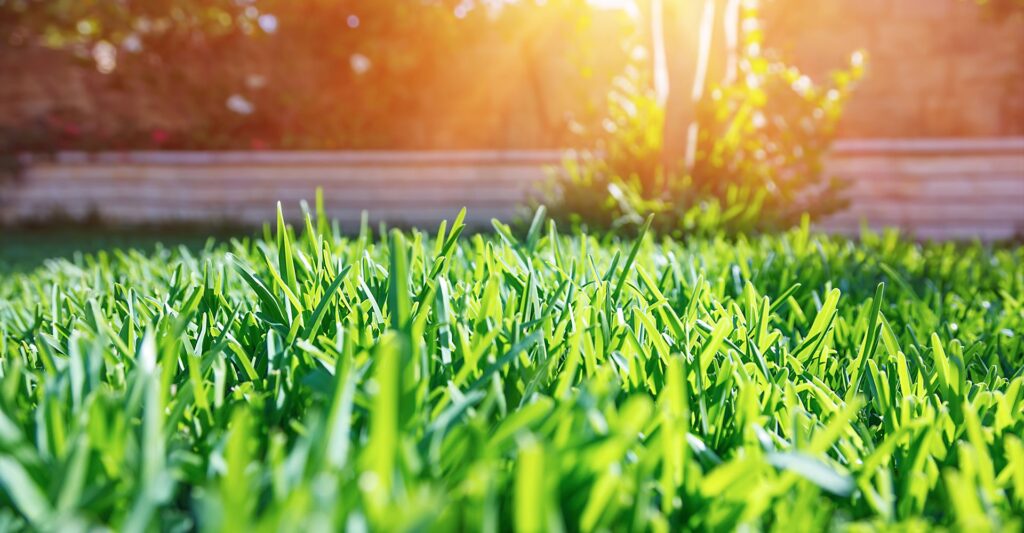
(549, 382)
(760, 150)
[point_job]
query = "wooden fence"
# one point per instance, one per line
(933, 188)
(936, 188)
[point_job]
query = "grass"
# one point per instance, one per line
(543, 382)
(25, 248)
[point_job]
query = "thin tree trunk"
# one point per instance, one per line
(695, 49)
(656, 16)
(731, 32)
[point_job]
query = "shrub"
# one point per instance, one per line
(619, 176)
(759, 158)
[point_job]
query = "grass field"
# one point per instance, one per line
(491, 382)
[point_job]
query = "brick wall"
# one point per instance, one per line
(948, 188)
(937, 68)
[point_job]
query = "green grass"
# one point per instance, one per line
(493, 382)
(27, 248)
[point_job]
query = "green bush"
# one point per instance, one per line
(620, 176)
(555, 382)
(759, 156)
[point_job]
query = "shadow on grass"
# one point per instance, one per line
(24, 248)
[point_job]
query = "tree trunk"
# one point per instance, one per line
(695, 49)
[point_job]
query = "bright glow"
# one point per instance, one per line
(359, 63)
(629, 6)
(268, 23)
(132, 43)
(240, 104)
(105, 55)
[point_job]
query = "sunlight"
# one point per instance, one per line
(629, 6)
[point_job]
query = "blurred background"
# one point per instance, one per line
(719, 115)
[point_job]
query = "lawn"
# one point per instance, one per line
(26, 248)
(515, 381)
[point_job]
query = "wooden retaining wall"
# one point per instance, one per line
(934, 188)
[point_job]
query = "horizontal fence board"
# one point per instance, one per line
(984, 232)
(935, 167)
(256, 215)
(932, 188)
(929, 146)
(271, 158)
(218, 195)
(347, 217)
(921, 189)
(889, 211)
(256, 174)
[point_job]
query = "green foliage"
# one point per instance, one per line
(555, 382)
(760, 150)
(621, 175)
(766, 136)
